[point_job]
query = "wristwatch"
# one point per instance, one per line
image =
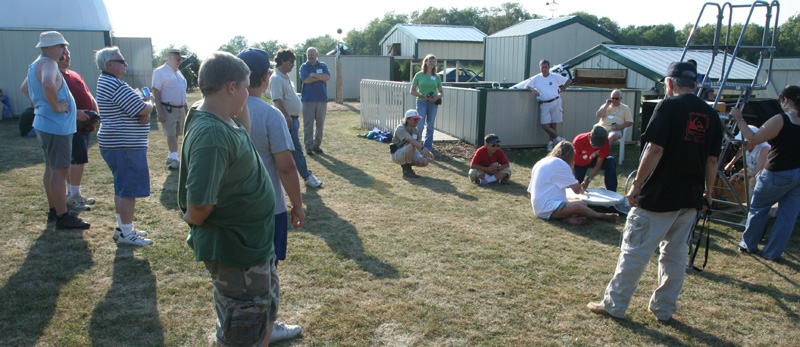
(589, 179)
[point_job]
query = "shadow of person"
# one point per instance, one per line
(341, 236)
(354, 175)
(439, 185)
(698, 337)
(451, 164)
(28, 299)
(780, 298)
(129, 311)
(169, 191)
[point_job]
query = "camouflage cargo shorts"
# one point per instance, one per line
(246, 301)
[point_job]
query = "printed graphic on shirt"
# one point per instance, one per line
(696, 127)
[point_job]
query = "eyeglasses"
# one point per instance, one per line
(121, 61)
(616, 98)
(494, 145)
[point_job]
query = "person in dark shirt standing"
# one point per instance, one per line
(675, 175)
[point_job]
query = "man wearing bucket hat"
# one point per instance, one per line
(592, 150)
(169, 91)
(674, 181)
(407, 149)
(55, 124)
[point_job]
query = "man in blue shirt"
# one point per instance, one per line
(314, 74)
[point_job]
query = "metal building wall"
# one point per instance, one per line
(634, 80)
(19, 51)
(563, 44)
(406, 43)
(504, 59)
(354, 69)
(138, 53)
(785, 71)
(451, 50)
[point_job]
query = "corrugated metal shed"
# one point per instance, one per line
(652, 62)
(513, 54)
(427, 32)
(446, 42)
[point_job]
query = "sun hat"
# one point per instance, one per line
(51, 38)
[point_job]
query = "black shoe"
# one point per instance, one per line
(408, 171)
(51, 215)
(69, 221)
(318, 150)
(309, 153)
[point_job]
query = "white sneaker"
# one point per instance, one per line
(173, 164)
(558, 139)
(482, 181)
(550, 146)
(76, 203)
(282, 331)
(87, 201)
(312, 181)
(118, 231)
(134, 240)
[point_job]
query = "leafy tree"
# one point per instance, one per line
(500, 17)
(367, 41)
(605, 23)
(237, 44)
(788, 34)
(271, 47)
(323, 44)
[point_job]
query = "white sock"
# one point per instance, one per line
(127, 229)
(71, 189)
(490, 178)
(173, 155)
(119, 221)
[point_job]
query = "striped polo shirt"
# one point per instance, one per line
(119, 105)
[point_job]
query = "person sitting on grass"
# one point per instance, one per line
(489, 164)
(410, 151)
(549, 177)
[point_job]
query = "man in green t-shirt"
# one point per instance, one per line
(228, 200)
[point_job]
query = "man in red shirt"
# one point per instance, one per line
(489, 164)
(592, 150)
(80, 141)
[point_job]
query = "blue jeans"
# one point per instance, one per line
(427, 110)
(782, 187)
(609, 170)
(297, 154)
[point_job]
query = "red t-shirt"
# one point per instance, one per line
(482, 158)
(83, 99)
(584, 153)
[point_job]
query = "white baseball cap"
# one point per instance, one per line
(412, 113)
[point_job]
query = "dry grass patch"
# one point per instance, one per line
(382, 260)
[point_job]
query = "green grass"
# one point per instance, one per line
(382, 260)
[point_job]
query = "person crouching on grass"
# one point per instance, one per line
(228, 200)
(549, 179)
(410, 151)
(489, 164)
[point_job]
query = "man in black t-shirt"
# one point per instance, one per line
(675, 174)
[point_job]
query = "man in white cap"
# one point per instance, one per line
(55, 124)
(169, 91)
(408, 151)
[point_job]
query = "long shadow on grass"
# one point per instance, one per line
(438, 185)
(657, 337)
(169, 191)
(352, 174)
(18, 151)
(341, 236)
(28, 299)
(779, 297)
(129, 313)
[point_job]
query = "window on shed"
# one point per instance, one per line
(394, 50)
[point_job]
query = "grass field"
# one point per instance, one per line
(381, 261)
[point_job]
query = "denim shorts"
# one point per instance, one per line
(130, 171)
(80, 148)
(281, 235)
(246, 301)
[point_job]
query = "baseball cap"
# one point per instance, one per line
(685, 72)
(51, 38)
(739, 135)
(598, 137)
(412, 113)
(257, 60)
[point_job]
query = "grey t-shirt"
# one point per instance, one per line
(270, 134)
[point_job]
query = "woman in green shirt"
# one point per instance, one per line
(427, 87)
